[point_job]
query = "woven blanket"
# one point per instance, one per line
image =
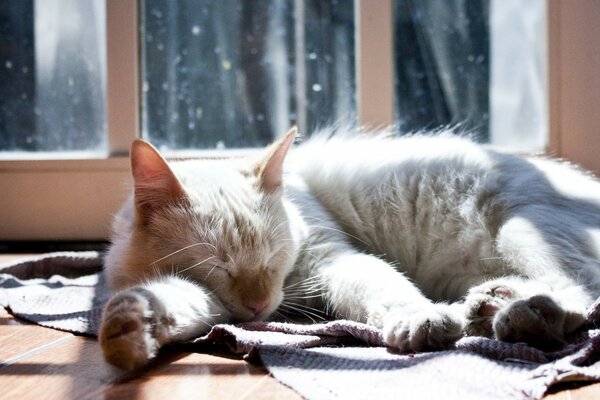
(336, 359)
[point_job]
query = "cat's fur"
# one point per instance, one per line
(427, 238)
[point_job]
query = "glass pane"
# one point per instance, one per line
(237, 73)
(475, 64)
(52, 75)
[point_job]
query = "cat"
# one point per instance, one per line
(427, 237)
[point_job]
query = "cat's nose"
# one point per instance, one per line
(256, 306)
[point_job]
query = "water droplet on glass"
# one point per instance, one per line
(191, 126)
(165, 86)
(196, 30)
(156, 12)
(471, 58)
(260, 117)
(199, 112)
(220, 145)
(145, 86)
(160, 47)
(226, 65)
(312, 56)
(71, 82)
(316, 87)
(8, 64)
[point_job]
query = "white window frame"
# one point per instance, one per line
(75, 199)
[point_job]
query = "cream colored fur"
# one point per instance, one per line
(428, 238)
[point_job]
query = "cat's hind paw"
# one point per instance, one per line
(130, 332)
(538, 321)
(434, 328)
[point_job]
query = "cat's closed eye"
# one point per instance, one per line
(225, 269)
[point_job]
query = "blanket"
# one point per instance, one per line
(325, 360)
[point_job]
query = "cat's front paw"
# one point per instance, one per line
(434, 328)
(481, 305)
(132, 329)
(538, 321)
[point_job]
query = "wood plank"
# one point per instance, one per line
(200, 376)
(590, 391)
(76, 369)
(72, 369)
(269, 388)
(5, 258)
(19, 338)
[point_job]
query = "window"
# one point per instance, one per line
(52, 80)
(235, 74)
(231, 74)
(480, 65)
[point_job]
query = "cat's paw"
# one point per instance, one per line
(538, 321)
(434, 328)
(481, 305)
(132, 329)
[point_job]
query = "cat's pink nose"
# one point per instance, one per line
(256, 306)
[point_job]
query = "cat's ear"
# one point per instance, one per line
(270, 169)
(155, 183)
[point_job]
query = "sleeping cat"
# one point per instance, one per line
(427, 237)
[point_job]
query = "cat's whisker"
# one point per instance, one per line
(306, 285)
(302, 306)
(300, 284)
(232, 261)
(274, 231)
(342, 232)
(301, 290)
(197, 264)
(210, 272)
(308, 289)
(305, 297)
(183, 249)
(312, 315)
(310, 278)
(304, 291)
(298, 311)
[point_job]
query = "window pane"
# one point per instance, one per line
(52, 75)
(478, 64)
(237, 73)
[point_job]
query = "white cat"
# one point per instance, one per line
(426, 237)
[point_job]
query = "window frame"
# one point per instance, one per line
(74, 199)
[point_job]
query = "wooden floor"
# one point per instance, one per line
(41, 363)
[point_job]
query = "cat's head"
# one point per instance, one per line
(221, 223)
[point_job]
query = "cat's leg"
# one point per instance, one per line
(366, 289)
(548, 298)
(139, 320)
(483, 301)
(516, 309)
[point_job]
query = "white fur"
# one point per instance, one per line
(391, 232)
